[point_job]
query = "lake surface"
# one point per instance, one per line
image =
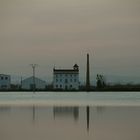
(71, 98)
(70, 116)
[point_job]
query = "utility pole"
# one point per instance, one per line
(21, 83)
(34, 84)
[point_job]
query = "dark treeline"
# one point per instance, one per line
(115, 87)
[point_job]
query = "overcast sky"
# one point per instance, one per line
(61, 32)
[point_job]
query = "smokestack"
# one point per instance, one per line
(88, 74)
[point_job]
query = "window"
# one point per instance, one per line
(1, 78)
(66, 87)
(56, 80)
(4, 86)
(56, 86)
(60, 80)
(75, 80)
(6, 78)
(66, 80)
(60, 86)
(56, 76)
(70, 86)
(70, 80)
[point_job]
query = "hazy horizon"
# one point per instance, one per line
(61, 32)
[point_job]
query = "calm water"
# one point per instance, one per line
(71, 98)
(70, 116)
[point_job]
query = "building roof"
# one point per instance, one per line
(76, 65)
(66, 70)
(31, 78)
(75, 69)
(4, 75)
(71, 71)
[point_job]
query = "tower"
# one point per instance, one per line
(76, 67)
(88, 74)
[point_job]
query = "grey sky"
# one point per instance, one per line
(61, 32)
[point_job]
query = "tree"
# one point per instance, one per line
(100, 81)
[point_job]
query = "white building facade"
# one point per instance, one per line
(5, 81)
(66, 79)
(28, 83)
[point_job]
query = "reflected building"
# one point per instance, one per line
(66, 111)
(5, 108)
(100, 109)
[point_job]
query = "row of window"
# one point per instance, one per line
(4, 86)
(4, 78)
(60, 86)
(66, 80)
(66, 75)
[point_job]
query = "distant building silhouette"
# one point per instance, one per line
(66, 79)
(5, 82)
(29, 83)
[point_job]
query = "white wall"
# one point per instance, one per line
(59, 79)
(40, 84)
(5, 81)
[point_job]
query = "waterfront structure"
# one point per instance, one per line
(5, 82)
(88, 74)
(33, 82)
(66, 79)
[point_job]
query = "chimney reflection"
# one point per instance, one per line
(88, 116)
(66, 111)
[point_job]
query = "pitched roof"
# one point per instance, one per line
(32, 79)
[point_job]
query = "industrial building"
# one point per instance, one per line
(66, 79)
(28, 84)
(5, 82)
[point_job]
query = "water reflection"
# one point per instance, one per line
(66, 112)
(69, 112)
(34, 109)
(5, 108)
(72, 122)
(100, 109)
(88, 115)
(59, 112)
